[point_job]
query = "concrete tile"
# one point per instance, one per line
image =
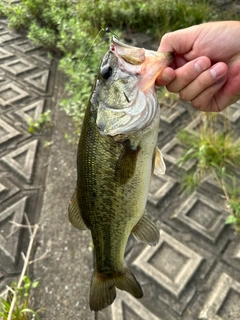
(18, 66)
(170, 264)
(160, 187)
(22, 160)
(32, 111)
(9, 234)
(172, 151)
(127, 307)
(7, 132)
(39, 80)
(202, 215)
(223, 301)
(10, 93)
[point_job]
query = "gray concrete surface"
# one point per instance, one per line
(64, 275)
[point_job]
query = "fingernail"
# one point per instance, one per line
(200, 65)
(217, 70)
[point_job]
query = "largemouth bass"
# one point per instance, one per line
(117, 155)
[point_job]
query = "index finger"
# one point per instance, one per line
(180, 41)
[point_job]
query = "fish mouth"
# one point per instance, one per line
(130, 86)
(136, 55)
(152, 63)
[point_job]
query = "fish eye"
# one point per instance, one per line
(106, 72)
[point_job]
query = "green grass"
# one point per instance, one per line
(216, 153)
(22, 310)
(38, 125)
(213, 150)
(234, 217)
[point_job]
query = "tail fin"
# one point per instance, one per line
(103, 291)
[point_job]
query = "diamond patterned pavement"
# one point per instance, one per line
(24, 93)
(192, 273)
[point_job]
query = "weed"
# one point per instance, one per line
(211, 148)
(216, 153)
(17, 304)
(37, 125)
(22, 296)
(190, 182)
(234, 217)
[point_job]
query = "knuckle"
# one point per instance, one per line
(196, 104)
(170, 88)
(199, 104)
(202, 82)
(187, 75)
(183, 95)
(166, 37)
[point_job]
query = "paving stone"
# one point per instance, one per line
(10, 93)
(232, 113)
(18, 66)
(194, 125)
(210, 185)
(5, 54)
(3, 78)
(25, 46)
(7, 132)
(172, 151)
(171, 116)
(223, 301)
(209, 303)
(163, 137)
(7, 188)
(4, 291)
(127, 307)
(39, 80)
(170, 263)
(7, 36)
(22, 159)
(202, 215)
(43, 57)
(21, 176)
(231, 254)
(156, 297)
(12, 1)
(160, 187)
(9, 234)
(31, 111)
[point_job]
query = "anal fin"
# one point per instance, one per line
(146, 231)
(74, 213)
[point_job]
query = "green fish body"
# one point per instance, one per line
(117, 155)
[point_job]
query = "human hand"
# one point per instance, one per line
(206, 68)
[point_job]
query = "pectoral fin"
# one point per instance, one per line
(126, 164)
(158, 162)
(146, 231)
(74, 213)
